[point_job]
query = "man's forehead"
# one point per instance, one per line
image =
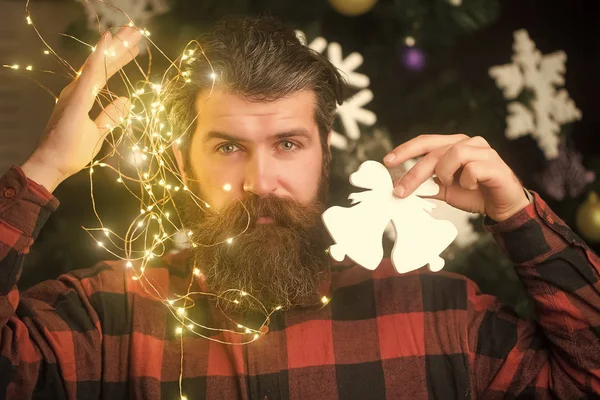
(224, 108)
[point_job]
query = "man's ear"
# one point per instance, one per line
(180, 163)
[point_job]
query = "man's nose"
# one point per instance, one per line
(261, 176)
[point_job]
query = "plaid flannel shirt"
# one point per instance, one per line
(95, 333)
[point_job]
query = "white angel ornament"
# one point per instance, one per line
(358, 230)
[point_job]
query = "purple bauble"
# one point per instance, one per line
(413, 58)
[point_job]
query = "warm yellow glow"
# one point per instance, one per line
(409, 41)
(100, 244)
(179, 330)
(29, 20)
(181, 311)
(230, 240)
(129, 264)
(196, 271)
(46, 52)
(324, 300)
(29, 68)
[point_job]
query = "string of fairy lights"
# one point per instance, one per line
(141, 140)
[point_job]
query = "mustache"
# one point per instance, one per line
(242, 215)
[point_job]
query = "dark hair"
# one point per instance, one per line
(260, 59)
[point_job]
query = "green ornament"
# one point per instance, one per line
(588, 218)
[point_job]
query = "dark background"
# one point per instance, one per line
(452, 93)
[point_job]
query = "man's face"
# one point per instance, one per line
(265, 148)
(259, 167)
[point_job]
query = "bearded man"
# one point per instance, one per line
(256, 160)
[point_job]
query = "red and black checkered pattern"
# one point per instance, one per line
(95, 333)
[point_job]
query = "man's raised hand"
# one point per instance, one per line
(71, 138)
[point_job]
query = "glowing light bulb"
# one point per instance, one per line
(213, 76)
(190, 233)
(131, 24)
(125, 43)
(227, 187)
(100, 244)
(324, 300)
(171, 302)
(46, 52)
(278, 308)
(409, 41)
(229, 240)
(196, 271)
(119, 180)
(16, 66)
(256, 336)
(179, 330)
(29, 20)
(244, 293)
(129, 264)
(140, 224)
(29, 68)
(236, 301)
(191, 327)
(106, 232)
(181, 311)
(135, 278)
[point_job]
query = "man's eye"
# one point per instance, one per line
(227, 148)
(288, 146)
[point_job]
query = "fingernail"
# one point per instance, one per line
(389, 158)
(399, 190)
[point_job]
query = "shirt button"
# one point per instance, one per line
(264, 329)
(9, 192)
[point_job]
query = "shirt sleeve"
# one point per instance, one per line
(50, 336)
(557, 355)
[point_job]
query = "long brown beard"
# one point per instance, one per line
(280, 264)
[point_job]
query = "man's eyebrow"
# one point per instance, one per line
(300, 132)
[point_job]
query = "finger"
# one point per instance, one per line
(459, 155)
(109, 56)
(481, 172)
(112, 115)
(419, 173)
(419, 146)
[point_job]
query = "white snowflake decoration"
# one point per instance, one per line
(443, 211)
(357, 231)
(352, 111)
(115, 12)
(550, 108)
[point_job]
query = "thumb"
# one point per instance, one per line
(112, 115)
